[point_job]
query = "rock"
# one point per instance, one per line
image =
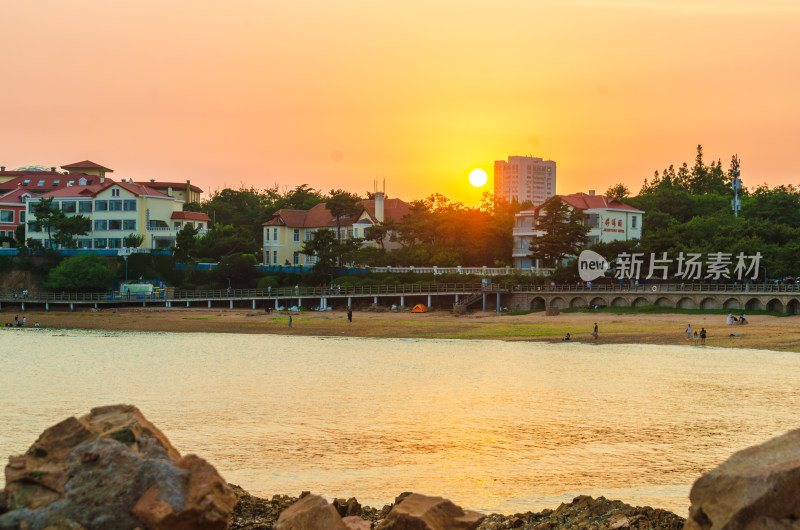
(757, 487)
(112, 469)
(356, 523)
(420, 512)
(312, 512)
(347, 507)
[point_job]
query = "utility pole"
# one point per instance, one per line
(736, 184)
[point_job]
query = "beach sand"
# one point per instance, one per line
(763, 332)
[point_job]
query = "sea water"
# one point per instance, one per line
(494, 426)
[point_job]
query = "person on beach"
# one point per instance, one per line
(742, 320)
(24, 320)
(594, 333)
(349, 314)
(16, 319)
(696, 338)
(702, 336)
(290, 321)
(567, 337)
(729, 320)
(688, 332)
(36, 325)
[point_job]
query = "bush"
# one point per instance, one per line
(267, 281)
(82, 272)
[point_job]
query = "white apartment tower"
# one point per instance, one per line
(525, 178)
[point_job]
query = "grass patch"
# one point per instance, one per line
(199, 318)
(656, 310)
(522, 312)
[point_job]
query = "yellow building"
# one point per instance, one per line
(118, 209)
(286, 231)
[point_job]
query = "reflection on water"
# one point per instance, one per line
(494, 426)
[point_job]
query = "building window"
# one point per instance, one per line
(40, 183)
(6, 216)
(296, 237)
(114, 206)
(129, 224)
(68, 207)
(115, 192)
(100, 206)
(310, 260)
(34, 228)
(101, 224)
(296, 258)
(275, 234)
(22, 216)
(115, 243)
(84, 243)
(274, 257)
(266, 258)
(85, 207)
(100, 243)
(266, 234)
(115, 224)
(32, 206)
(309, 235)
(633, 221)
(129, 205)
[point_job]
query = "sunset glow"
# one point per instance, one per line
(337, 95)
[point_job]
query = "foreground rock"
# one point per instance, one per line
(112, 469)
(420, 512)
(252, 513)
(758, 487)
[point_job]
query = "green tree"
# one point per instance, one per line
(223, 240)
(186, 241)
(61, 229)
(85, 272)
(238, 268)
(133, 240)
(618, 191)
(323, 246)
(564, 233)
(342, 205)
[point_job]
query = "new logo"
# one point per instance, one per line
(591, 265)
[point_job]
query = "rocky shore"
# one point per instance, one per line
(253, 513)
(114, 470)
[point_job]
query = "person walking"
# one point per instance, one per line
(349, 314)
(594, 333)
(688, 332)
(290, 321)
(702, 336)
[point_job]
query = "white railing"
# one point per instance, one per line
(163, 229)
(481, 271)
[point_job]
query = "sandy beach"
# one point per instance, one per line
(763, 332)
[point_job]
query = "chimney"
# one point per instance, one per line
(102, 179)
(379, 206)
(52, 169)
(152, 180)
(169, 191)
(2, 168)
(591, 193)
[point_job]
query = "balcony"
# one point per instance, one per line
(167, 231)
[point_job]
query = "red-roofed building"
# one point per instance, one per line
(609, 219)
(117, 210)
(286, 230)
(12, 211)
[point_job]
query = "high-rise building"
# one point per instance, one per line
(524, 178)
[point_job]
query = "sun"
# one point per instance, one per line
(478, 178)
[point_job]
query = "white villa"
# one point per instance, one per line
(610, 220)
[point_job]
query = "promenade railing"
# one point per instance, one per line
(17, 296)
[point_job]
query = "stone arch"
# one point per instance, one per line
(640, 302)
(598, 302)
(754, 304)
(664, 302)
(558, 302)
(793, 306)
(732, 303)
(538, 303)
(709, 303)
(619, 302)
(686, 303)
(775, 305)
(578, 302)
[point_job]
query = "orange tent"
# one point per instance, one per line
(419, 308)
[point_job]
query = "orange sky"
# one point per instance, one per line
(419, 92)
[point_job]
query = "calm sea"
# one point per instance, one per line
(494, 426)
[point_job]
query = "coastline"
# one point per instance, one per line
(763, 332)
